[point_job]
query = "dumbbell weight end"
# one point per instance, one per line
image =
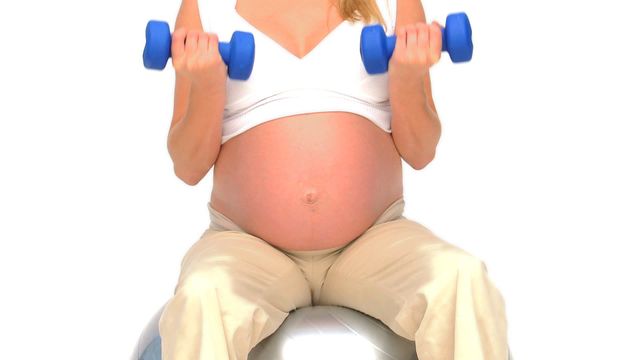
(157, 48)
(238, 54)
(376, 48)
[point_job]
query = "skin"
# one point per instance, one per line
(307, 181)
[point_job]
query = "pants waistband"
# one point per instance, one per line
(219, 222)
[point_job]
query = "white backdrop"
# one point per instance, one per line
(537, 173)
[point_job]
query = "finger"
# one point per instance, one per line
(177, 43)
(214, 46)
(412, 37)
(401, 40)
(435, 39)
(214, 49)
(423, 40)
(212, 42)
(192, 42)
(203, 43)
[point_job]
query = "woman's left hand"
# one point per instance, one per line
(418, 47)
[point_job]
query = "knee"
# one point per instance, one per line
(470, 276)
(191, 293)
(462, 264)
(200, 284)
(444, 258)
(471, 264)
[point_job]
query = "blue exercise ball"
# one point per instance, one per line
(309, 333)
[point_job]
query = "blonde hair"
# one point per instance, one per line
(365, 10)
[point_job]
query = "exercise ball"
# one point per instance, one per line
(311, 333)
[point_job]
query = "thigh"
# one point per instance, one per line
(244, 270)
(390, 272)
(234, 290)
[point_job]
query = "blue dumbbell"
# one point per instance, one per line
(376, 48)
(238, 54)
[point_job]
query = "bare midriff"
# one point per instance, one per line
(308, 181)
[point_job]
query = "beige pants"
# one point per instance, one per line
(235, 289)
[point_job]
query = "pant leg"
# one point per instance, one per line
(423, 289)
(233, 291)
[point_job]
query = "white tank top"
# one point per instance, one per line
(331, 77)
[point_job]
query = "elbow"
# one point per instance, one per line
(424, 154)
(192, 172)
(191, 165)
(422, 161)
(191, 178)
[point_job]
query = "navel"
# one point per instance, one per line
(310, 196)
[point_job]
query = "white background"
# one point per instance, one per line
(537, 173)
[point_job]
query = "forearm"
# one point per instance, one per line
(415, 123)
(194, 142)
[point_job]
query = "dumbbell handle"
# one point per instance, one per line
(376, 48)
(391, 42)
(238, 54)
(223, 47)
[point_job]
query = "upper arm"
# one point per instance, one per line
(188, 18)
(409, 12)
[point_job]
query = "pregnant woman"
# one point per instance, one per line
(307, 202)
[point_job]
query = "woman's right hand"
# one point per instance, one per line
(195, 55)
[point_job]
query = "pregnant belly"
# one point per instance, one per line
(308, 181)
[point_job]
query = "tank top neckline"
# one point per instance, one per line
(260, 33)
